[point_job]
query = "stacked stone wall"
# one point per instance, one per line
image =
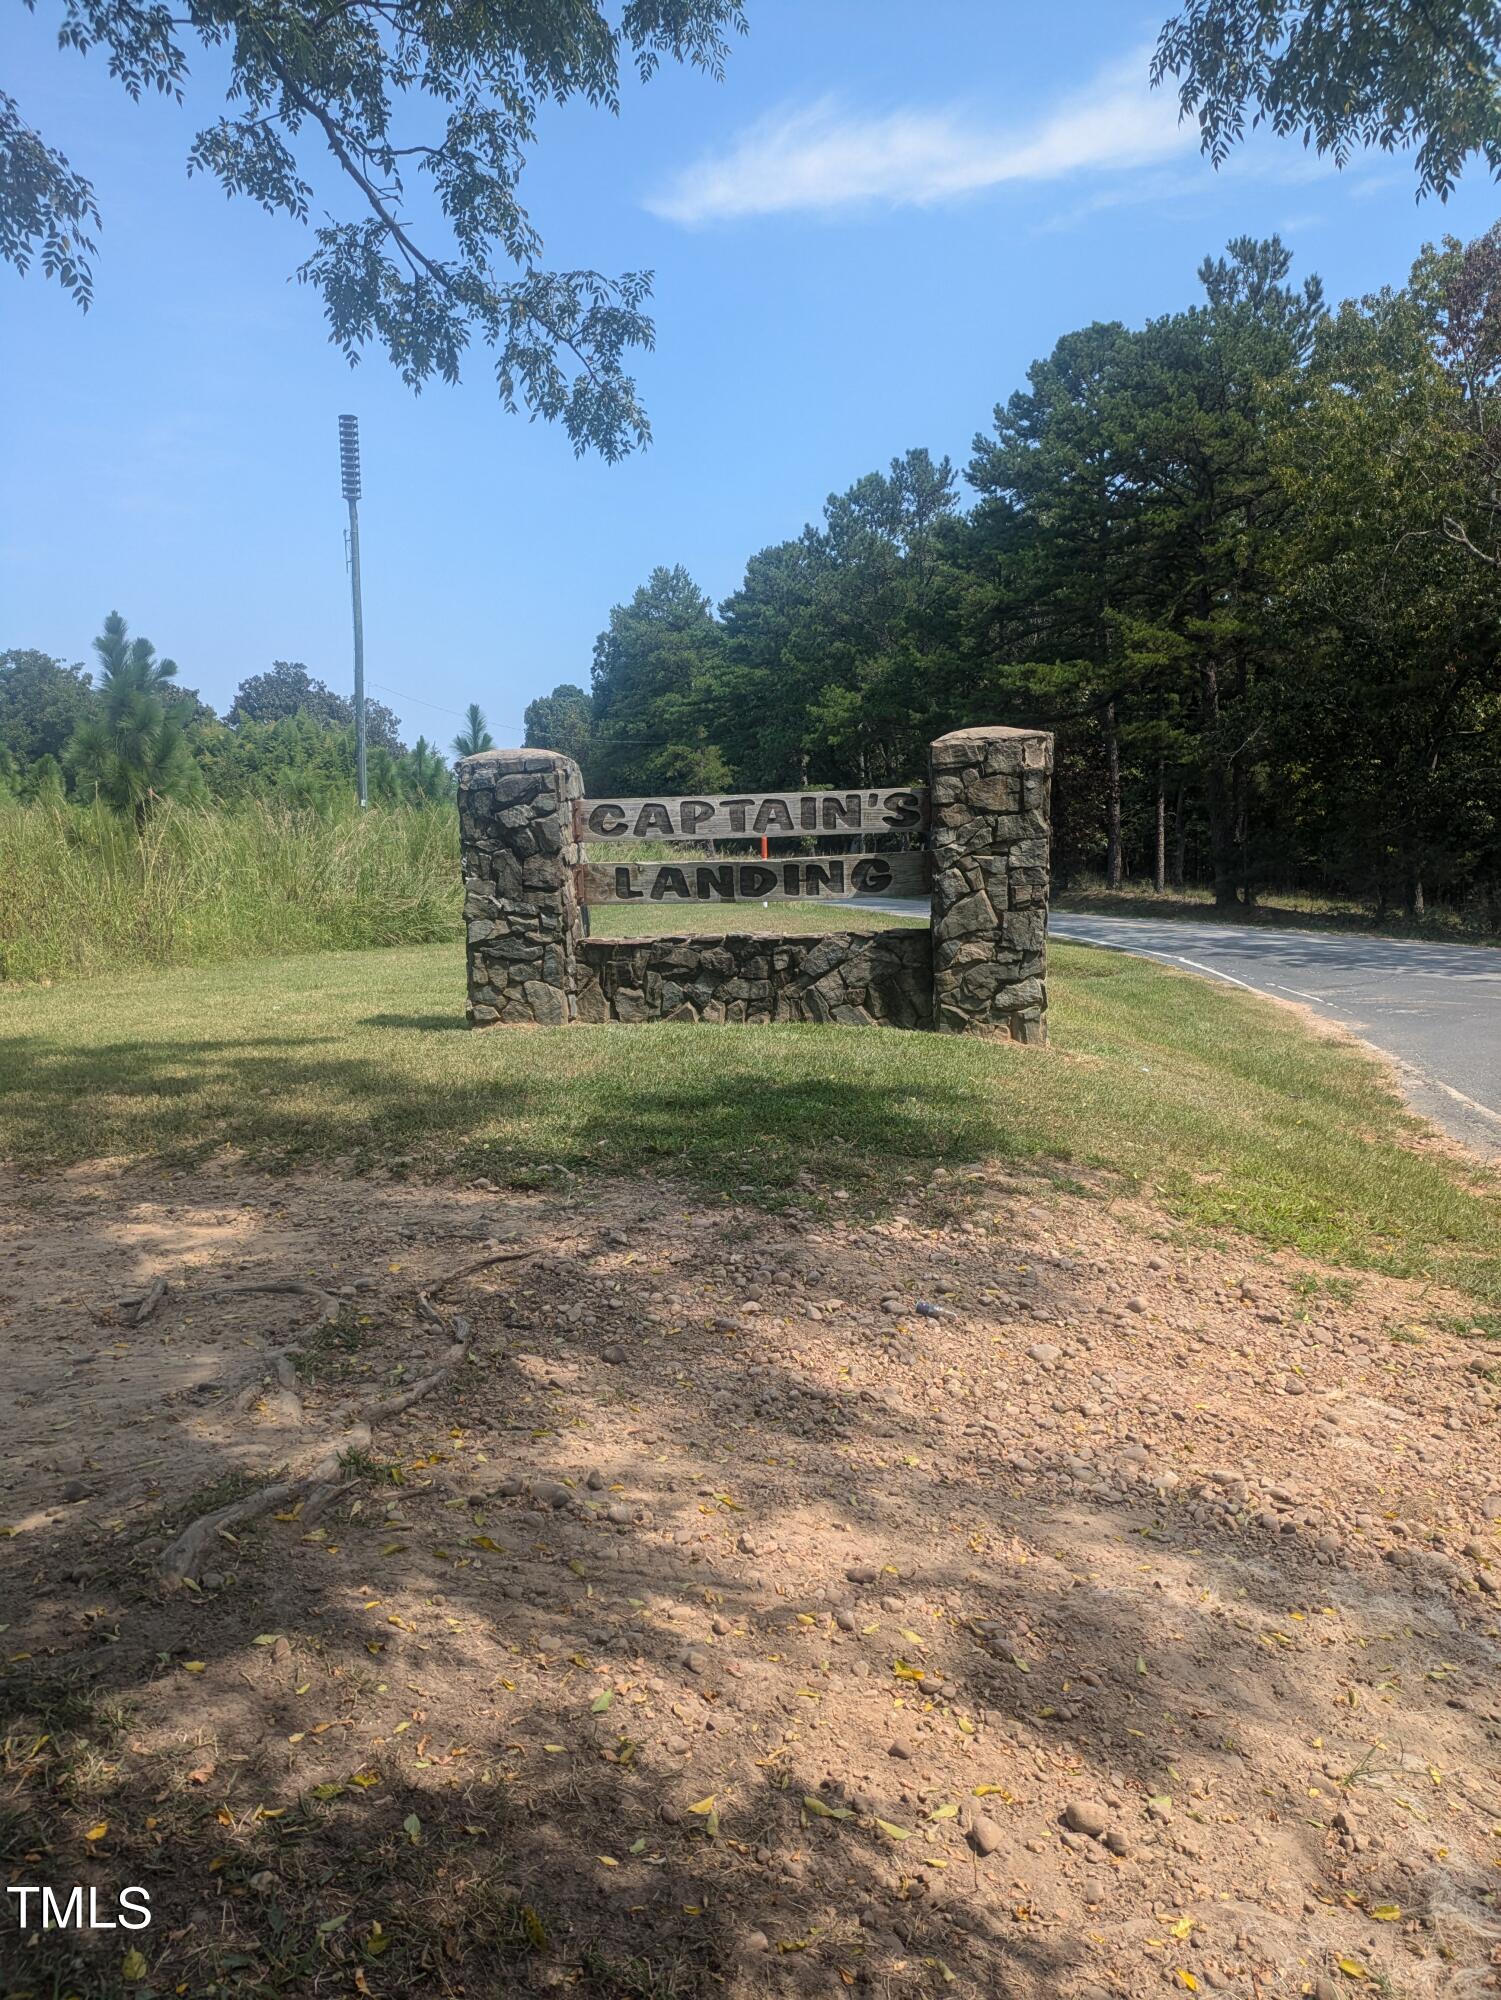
(990, 793)
(521, 915)
(860, 979)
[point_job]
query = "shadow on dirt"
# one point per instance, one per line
(780, 1701)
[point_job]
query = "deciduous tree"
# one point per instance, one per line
(1396, 74)
(287, 688)
(344, 88)
(42, 702)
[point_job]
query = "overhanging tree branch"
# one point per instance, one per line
(346, 68)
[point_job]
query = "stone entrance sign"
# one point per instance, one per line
(979, 968)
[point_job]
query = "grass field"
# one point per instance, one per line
(1221, 1105)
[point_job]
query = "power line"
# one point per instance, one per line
(458, 713)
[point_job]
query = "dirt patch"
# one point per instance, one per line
(1004, 1597)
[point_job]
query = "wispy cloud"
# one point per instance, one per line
(826, 156)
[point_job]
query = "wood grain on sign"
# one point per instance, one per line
(781, 880)
(752, 814)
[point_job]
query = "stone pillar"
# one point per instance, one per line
(990, 881)
(518, 855)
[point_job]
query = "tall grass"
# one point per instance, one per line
(81, 893)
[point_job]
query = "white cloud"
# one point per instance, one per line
(825, 157)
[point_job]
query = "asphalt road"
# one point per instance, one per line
(1435, 1009)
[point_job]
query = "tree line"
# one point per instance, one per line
(1244, 560)
(136, 737)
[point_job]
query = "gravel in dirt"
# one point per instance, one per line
(727, 1624)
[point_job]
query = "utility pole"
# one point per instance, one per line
(349, 467)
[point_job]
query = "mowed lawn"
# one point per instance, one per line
(1222, 1106)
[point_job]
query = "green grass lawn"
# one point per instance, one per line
(1220, 1104)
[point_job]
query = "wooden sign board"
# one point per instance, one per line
(785, 879)
(778, 814)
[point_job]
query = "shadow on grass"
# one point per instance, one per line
(612, 1099)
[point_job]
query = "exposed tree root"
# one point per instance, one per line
(147, 1304)
(355, 1422)
(295, 1285)
(425, 1298)
(282, 1403)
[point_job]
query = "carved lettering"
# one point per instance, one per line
(716, 882)
(772, 816)
(669, 881)
(787, 878)
(778, 815)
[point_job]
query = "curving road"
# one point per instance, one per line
(1434, 1009)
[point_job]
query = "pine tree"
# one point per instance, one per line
(426, 778)
(474, 736)
(132, 752)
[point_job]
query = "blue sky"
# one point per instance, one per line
(860, 240)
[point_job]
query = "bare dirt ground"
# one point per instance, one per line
(999, 1598)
